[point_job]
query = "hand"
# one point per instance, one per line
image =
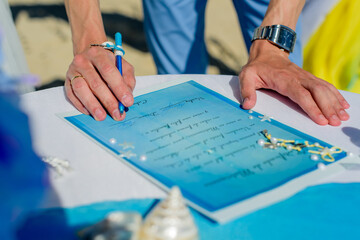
(269, 67)
(101, 86)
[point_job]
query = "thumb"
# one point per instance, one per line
(247, 88)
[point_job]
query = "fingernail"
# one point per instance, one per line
(245, 100)
(335, 118)
(127, 100)
(116, 114)
(343, 113)
(98, 114)
(345, 104)
(322, 117)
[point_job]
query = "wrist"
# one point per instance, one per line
(263, 47)
(83, 43)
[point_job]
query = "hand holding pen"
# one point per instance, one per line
(97, 84)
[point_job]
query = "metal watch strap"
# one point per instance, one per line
(280, 35)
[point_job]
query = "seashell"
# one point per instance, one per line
(170, 220)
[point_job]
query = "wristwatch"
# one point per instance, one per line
(280, 35)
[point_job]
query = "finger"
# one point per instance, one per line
(113, 78)
(338, 95)
(305, 100)
(248, 79)
(83, 92)
(98, 87)
(329, 104)
(129, 75)
(102, 93)
(73, 99)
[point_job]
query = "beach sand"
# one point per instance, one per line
(46, 37)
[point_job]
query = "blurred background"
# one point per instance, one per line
(331, 40)
(45, 34)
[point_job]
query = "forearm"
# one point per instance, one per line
(86, 23)
(284, 12)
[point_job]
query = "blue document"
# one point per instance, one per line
(190, 136)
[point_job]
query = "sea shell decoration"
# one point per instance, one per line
(116, 226)
(170, 220)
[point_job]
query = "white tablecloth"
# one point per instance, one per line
(98, 176)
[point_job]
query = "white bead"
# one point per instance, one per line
(65, 164)
(112, 140)
(250, 111)
(350, 154)
(314, 157)
(251, 117)
(321, 166)
(289, 147)
(261, 142)
(273, 140)
(143, 158)
(316, 144)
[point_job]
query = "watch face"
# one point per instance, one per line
(286, 38)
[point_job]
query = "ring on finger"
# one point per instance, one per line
(76, 76)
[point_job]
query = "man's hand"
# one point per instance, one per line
(269, 67)
(101, 86)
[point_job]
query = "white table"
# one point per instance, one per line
(98, 176)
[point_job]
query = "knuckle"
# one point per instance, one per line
(245, 71)
(95, 84)
(111, 105)
(303, 95)
(78, 84)
(321, 87)
(332, 87)
(131, 68)
(79, 60)
(304, 92)
(285, 74)
(107, 68)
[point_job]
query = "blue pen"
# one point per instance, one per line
(118, 53)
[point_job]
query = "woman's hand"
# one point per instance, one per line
(95, 86)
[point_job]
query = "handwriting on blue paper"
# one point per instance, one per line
(190, 136)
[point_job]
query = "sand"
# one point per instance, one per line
(46, 37)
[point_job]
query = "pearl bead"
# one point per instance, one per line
(250, 111)
(261, 142)
(251, 117)
(112, 140)
(143, 158)
(316, 144)
(273, 140)
(321, 166)
(314, 157)
(350, 154)
(289, 147)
